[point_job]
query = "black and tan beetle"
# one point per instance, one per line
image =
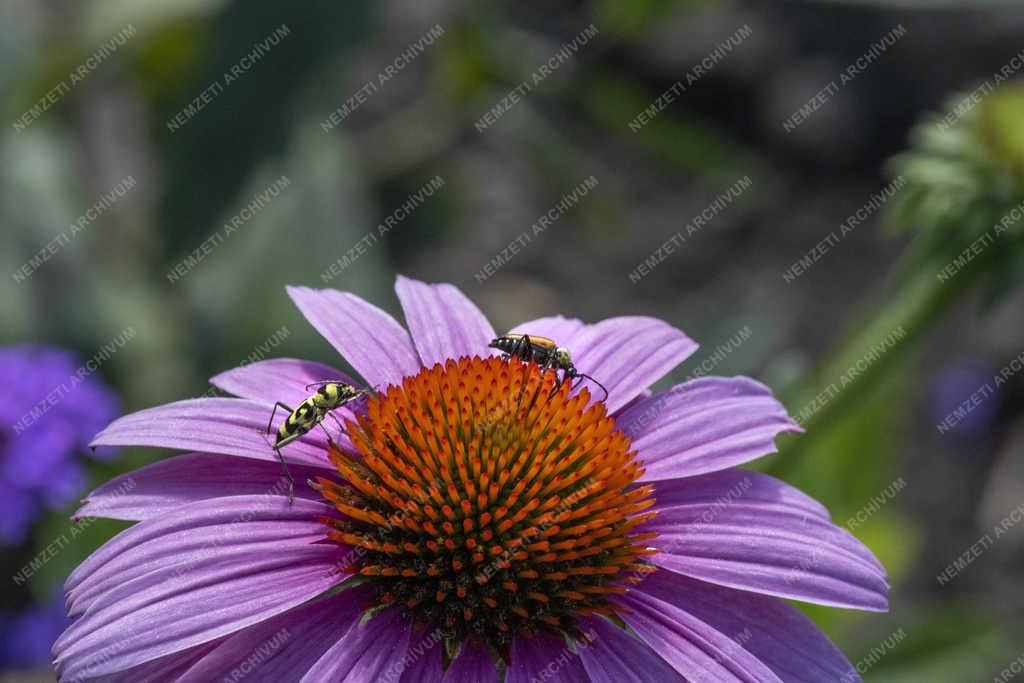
(543, 351)
(310, 413)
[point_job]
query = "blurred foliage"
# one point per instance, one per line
(165, 63)
(964, 177)
(684, 142)
(962, 180)
(631, 20)
(1001, 117)
(253, 109)
(959, 198)
(946, 645)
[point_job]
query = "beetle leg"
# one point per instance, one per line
(274, 412)
(288, 475)
(330, 439)
(515, 353)
(337, 422)
(341, 427)
(277, 448)
(519, 346)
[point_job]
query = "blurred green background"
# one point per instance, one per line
(344, 162)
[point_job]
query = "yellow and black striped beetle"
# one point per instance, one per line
(310, 413)
(545, 352)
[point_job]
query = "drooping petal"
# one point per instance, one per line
(543, 657)
(775, 632)
(368, 651)
(160, 612)
(285, 647)
(760, 535)
(156, 489)
(231, 426)
(181, 542)
(473, 663)
(628, 354)
(704, 425)
(697, 650)
(443, 322)
(614, 656)
(373, 342)
(277, 379)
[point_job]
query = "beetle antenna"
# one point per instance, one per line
(580, 374)
(321, 382)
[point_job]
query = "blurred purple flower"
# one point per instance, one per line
(51, 407)
(26, 636)
(964, 399)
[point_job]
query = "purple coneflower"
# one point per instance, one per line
(476, 523)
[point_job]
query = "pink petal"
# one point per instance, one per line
(543, 658)
(778, 634)
(156, 489)
(625, 354)
(369, 651)
(443, 322)
(285, 647)
(765, 539)
(611, 655)
(373, 342)
(705, 425)
(232, 426)
(732, 485)
(563, 330)
(180, 542)
(628, 354)
(422, 662)
(277, 379)
(160, 613)
(695, 649)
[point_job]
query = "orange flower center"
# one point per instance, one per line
(488, 502)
